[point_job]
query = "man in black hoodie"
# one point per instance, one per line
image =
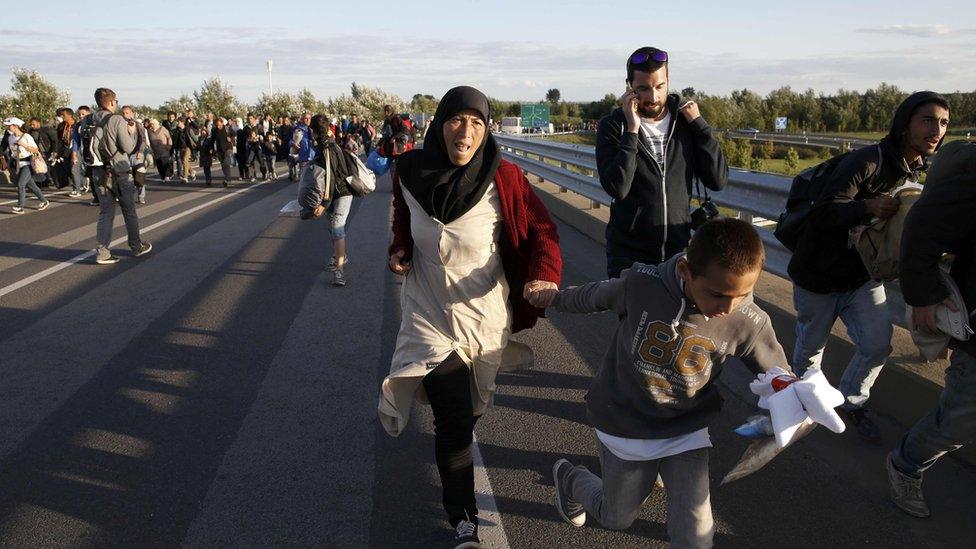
(941, 222)
(648, 153)
(829, 277)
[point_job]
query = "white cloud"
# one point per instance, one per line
(919, 31)
(150, 67)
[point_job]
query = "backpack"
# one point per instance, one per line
(804, 192)
(363, 181)
(93, 147)
(315, 188)
(407, 126)
(879, 243)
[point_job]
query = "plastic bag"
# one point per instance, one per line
(379, 165)
(758, 426)
(292, 207)
(762, 451)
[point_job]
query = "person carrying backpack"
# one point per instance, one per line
(331, 163)
(829, 277)
(107, 141)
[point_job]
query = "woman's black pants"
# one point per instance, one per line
(448, 389)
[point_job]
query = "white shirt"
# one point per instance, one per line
(647, 449)
(22, 153)
(656, 136)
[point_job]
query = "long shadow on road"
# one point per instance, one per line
(130, 456)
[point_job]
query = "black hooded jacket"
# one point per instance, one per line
(942, 222)
(649, 216)
(822, 262)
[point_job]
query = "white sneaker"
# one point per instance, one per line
(43, 205)
(74, 194)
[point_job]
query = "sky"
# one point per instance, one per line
(514, 50)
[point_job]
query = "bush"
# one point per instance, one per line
(792, 161)
(767, 150)
(728, 148)
(743, 154)
(757, 164)
(807, 153)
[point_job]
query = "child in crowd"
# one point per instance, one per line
(653, 399)
(269, 149)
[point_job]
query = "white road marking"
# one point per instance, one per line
(14, 201)
(81, 257)
(490, 527)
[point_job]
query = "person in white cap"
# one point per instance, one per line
(22, 147)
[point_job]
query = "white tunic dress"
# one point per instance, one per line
(455, 298)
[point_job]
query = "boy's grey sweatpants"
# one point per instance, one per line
(615, 500)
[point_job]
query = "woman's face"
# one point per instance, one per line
(463, 134)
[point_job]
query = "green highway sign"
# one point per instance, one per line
(535, 115)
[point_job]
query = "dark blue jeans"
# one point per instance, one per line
(25, 180)
(946, 428)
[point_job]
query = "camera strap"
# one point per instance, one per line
(699, 188)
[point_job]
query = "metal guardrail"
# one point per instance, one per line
(810, 139)
(757, 197)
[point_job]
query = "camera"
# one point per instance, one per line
(703, 214)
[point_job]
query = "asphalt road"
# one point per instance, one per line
(219, 392)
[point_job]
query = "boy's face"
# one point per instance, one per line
(718, 291)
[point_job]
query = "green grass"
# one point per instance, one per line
(588, 138)
(773, 166)
(876, 136)
(778, 166)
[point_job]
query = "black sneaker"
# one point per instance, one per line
(466, 535)
(93, 203)
(865, 427)
(571, 511)
(906, 491)
(143, 249)
(338, 278)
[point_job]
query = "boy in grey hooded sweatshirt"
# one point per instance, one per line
(654, 397)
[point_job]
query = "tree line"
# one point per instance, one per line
(845, 111)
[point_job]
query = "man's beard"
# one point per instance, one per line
(650, 113)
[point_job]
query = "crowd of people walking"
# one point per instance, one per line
(481, 260)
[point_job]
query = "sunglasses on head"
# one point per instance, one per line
(641, 57)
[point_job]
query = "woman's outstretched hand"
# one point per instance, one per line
(540, 293)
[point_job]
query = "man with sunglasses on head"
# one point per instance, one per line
(648, 153)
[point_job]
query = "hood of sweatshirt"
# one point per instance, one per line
(903, 115)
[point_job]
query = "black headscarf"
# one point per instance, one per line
(446, 191)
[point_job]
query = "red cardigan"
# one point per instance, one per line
(530, 249)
